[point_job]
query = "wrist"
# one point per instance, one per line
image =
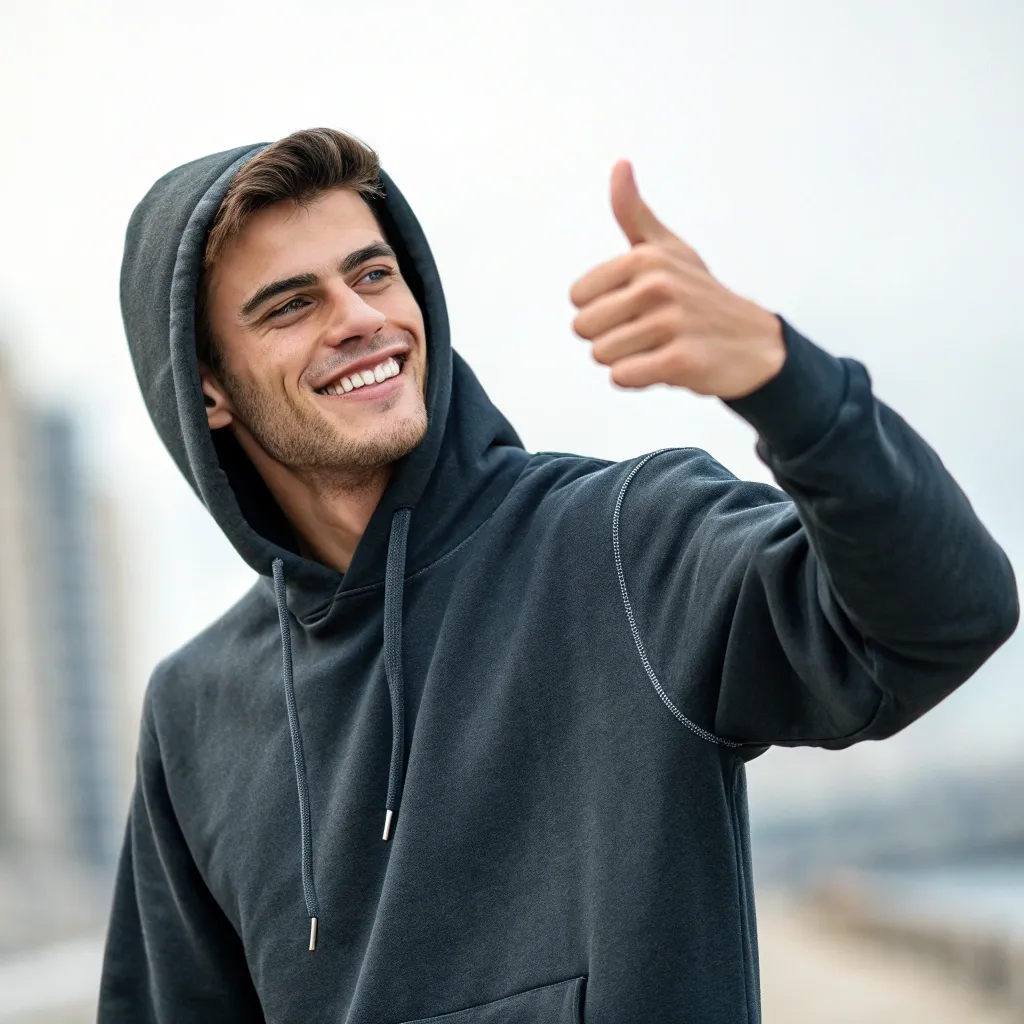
(796, 406)
(769, 356)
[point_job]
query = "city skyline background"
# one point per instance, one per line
(67, 709)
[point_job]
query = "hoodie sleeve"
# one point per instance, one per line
(171, 954)
(836, 610)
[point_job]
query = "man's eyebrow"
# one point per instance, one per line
(375, 250)
(268, 291)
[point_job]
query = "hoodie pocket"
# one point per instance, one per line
(557, 1003)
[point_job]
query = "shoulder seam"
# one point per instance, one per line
(704, 734)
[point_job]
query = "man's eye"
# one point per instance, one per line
(289, 307)
(383, 271)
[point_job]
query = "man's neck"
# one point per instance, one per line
(329, 511)
(331, 516)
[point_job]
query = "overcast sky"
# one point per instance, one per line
(855, 166)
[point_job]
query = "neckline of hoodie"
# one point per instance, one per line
(323, 612)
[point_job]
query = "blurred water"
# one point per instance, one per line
(989, 896)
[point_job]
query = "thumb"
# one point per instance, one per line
(634, 216)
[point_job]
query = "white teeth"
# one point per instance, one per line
(381, 372)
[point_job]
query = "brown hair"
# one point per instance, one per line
(300, 167)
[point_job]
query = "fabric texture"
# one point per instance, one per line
(495, 770)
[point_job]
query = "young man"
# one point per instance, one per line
(472, 747)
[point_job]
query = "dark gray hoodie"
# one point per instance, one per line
(550, 669)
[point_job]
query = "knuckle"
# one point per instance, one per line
(669, 321)
(625, 377)
(659, 285)
(683, 359)
(648, 256)
(581, 325)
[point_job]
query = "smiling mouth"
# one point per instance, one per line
(384, 370)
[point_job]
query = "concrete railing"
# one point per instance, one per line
(984, 959)
(56, 982)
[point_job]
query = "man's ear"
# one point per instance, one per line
(219, 411)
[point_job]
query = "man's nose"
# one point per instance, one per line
(355, 320)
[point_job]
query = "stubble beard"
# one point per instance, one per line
(313, 446)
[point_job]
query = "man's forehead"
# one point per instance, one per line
(288, 239)
(339, 219)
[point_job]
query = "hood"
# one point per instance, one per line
(437, 494)
(453, 468)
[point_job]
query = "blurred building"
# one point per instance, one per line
(26, 772)
(63, 774)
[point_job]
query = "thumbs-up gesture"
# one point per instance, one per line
(656, 315)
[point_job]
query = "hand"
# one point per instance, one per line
(657, 316)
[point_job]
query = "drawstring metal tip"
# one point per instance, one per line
(387, 823)
(312, 934)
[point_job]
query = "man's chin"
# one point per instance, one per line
(380, 445)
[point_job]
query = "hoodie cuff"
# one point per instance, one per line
(797, 406)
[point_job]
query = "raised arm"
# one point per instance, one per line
(838, 611)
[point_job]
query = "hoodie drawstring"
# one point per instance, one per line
(394, 585)
(394, 582)
(308, 889)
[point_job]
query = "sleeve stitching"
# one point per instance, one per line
(704, 734)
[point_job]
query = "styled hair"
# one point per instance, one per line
(300, 167)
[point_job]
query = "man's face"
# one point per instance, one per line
(321, 340)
